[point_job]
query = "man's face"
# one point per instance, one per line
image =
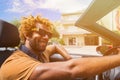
(39, 39)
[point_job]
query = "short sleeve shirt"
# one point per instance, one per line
(18, 66)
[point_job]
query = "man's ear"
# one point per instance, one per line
(27, 37)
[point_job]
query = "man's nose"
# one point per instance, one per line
(46, 36)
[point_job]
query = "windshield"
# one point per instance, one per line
(76, 23)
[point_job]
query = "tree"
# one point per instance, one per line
(54, 39)
(16, 22)
(55, 33)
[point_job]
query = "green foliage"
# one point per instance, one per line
(55, 33)
(106, 42)
(57, 41)
(54, 39)
(61, 41)
(16, 22)
(117, 32)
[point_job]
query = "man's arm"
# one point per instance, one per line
(74, 68)
(53, 49)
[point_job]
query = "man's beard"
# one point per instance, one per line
(35, 46)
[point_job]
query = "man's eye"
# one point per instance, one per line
(49, 35)
(42, 33)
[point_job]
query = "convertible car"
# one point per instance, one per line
(88, 21)
(9, 36)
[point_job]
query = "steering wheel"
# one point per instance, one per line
(111, 51)
(113, 73)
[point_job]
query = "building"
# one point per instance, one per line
(72, 35)
(75, 36)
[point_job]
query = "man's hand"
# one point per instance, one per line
(58, 49)
(118, 50)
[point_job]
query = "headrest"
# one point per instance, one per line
(9, 35)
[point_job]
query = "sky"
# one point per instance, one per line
(51, 9)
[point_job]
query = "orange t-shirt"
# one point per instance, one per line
(18, 66)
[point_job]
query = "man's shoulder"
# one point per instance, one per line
(19, 57)
(17, 62)
(19, 53)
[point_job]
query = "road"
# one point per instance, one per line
(85, 50)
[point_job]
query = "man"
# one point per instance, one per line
(35, 33)
(43, 53)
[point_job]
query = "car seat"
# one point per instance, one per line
(9, 39)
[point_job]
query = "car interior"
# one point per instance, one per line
(9, 36)
(9, 39)
(88, 21)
